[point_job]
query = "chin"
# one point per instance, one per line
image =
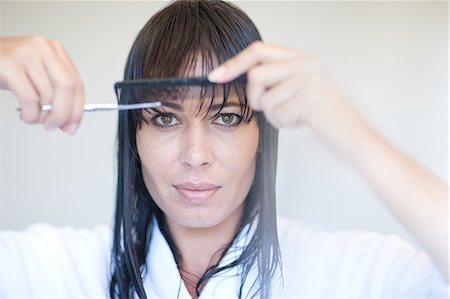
(196, 220)
(200, 223)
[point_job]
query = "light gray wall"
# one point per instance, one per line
(390, 57)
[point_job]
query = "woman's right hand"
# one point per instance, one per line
(39, 71)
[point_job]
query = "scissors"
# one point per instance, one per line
(110, 106)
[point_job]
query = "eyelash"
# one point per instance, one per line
(155, 118)
(236, 122)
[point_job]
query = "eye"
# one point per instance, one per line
(228, 119)
(165, 120)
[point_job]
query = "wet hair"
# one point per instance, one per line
(170, 45)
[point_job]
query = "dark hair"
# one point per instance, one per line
(169, 46)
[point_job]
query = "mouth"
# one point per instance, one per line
(197, 192)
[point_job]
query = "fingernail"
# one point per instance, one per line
(216, 74)
(71, 129)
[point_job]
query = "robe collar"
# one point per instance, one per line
(163, 279)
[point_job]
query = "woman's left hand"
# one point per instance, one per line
(290, 86)
(293, 89)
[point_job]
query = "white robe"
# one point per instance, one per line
(48, 262)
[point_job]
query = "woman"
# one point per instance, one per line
(196, 195)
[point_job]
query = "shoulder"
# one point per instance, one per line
(50, 261)
(41, 237)
(311, 236)
(355, 261)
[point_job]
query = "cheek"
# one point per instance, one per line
(156, 156)
(155, 147)
(233, 156)
(232, 166)
(238, 157)
(240, 154)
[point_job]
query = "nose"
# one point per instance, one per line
(196, 146)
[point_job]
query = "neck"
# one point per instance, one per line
(201, 248)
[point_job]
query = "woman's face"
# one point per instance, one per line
(198, 169)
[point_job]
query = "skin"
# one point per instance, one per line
(39, 71)
(292, 89)
(196, 149)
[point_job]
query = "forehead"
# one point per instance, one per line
(204, 101)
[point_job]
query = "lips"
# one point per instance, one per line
(197, 192)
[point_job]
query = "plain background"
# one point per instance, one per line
(390, 58)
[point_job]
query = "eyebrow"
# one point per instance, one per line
(214, 107)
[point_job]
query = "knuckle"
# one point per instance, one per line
(29, 100)
(67, 84)
(46, 97)
(56, 44)
(37, 43)
(45, 94)
(37, 40)
(30, 46)
(28, 116)
(257, 44)
(254, 76)
(22, 52)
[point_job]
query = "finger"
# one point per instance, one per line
(64, 86)
(42, 84)
(64, 92)
(78, 100)
(284, 94)
(286, 116)
(20, 85)
(263, 77)
(255, 54)
(77, 113)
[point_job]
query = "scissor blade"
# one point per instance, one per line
(109, 107)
